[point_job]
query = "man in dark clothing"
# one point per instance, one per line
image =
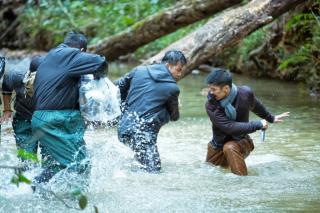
(57, 122)
(23, 105)
(150, 94)
(228, 108)
(2, 68)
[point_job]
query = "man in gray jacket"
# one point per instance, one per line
(150, 99)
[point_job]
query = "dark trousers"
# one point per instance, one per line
(23, 135)
(143, 143)
(232, 155)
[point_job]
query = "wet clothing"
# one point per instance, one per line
(230, 143)
(12, 81)
(143, 141)
(2, 68)
(57, 121)
(233, 155)
(56, 86)
(150, 95)
(61, 133)
(23, 135)
(23, 104)
(225, 129)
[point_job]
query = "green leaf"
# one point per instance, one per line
(15, 180)
(83, 201)
(27, 155)
(23, 179)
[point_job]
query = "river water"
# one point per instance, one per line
(284, 170)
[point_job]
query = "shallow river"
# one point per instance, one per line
(284, 171)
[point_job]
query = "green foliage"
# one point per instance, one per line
(300, 20)
(18, 178)
(251, 42)
(304, 62)
(50, 20)
(27, 155)
(242, 50)
(83, 202)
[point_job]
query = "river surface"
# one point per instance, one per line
(284, 170)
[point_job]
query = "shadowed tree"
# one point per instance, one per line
(226, 30)
(147, 30)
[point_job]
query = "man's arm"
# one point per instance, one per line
(7, 111)
(7, 88)
(230, 127)
(124, 84)
(172, 106)
(87, 63)
(260, 110)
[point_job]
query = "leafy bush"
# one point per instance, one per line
(304, 62)
(48, 22)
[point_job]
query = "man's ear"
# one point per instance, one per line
(226, 89)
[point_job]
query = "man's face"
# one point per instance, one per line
(176, 70)
(218, 92)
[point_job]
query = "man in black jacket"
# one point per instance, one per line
(2, 68)
(56, 121)
(150, 94)
(23, 105)
(228, 108)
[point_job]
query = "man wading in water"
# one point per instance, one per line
(56, 121)
(150, 94)
(228, 108)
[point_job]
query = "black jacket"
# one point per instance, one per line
(56, 85)
(13, 81)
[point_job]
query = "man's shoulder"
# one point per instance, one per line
(245, 90)
(15, 75)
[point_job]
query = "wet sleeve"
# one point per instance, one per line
(87, 63)
(8, 83)
(230, 127)
(172, 106)
(124, 84)
(260, 110)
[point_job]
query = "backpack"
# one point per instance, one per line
(28, 82)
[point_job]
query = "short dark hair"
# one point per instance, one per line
(76, 40)
(219, 77)
(35, 62)
(173, 57)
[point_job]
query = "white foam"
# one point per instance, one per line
(261, 159)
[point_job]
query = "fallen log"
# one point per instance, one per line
(226, 30)
(149, 29)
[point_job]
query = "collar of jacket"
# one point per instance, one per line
(160, 73)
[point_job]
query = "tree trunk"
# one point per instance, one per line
(226, 30)
(160, 24)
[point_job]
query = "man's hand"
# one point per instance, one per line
(279, 118)
(265, 124)
(6, 116)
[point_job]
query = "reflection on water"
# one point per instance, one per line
(284, 171)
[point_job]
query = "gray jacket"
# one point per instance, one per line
(150, 96)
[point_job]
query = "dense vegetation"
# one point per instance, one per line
(295, 57)
(296, 52)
